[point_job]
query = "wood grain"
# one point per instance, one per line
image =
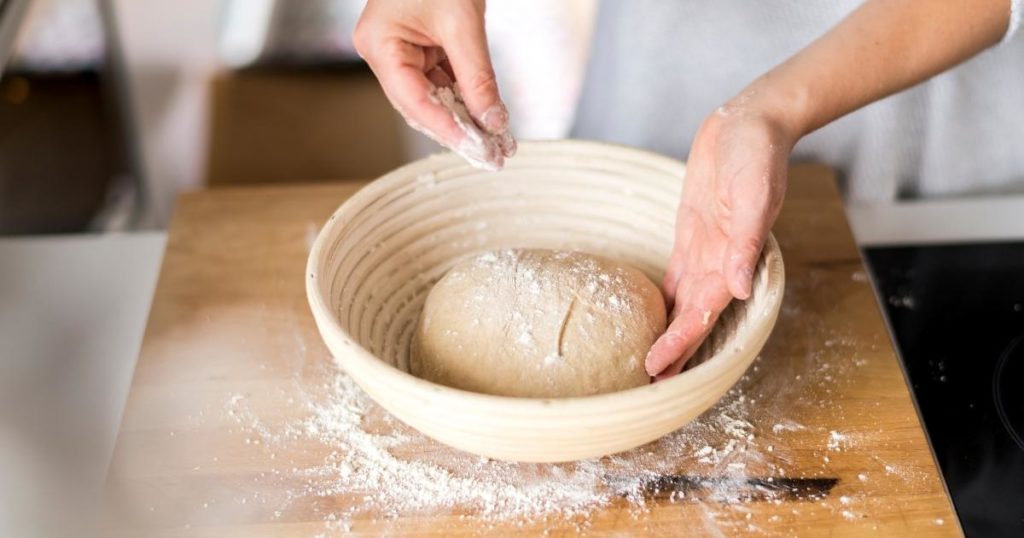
(230, 320)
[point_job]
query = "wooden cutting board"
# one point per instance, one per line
(213, 441)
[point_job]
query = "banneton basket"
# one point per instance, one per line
(377, 257)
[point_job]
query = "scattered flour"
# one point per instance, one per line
(480, 148)
(367, 466)
(787, 426)
(604, 289)
(902, 301)
(386, 469)
(836, 440)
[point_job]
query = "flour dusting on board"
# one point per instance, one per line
(390, 470)
(368, 469)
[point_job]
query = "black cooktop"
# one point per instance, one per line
(957, 314)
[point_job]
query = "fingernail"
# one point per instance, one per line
(495, 119)
(507, 144)
(746, 276)
(649, 367)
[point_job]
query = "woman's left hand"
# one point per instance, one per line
(736, 175)
(734, 187)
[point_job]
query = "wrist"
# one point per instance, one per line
(786, 107)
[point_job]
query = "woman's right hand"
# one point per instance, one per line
(414, 48)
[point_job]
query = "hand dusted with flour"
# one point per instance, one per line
(538, 323)
(432, 61)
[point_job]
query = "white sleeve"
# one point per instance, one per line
(1016, 7)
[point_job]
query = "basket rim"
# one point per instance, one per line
(398, 380)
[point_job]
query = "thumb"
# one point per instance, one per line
(470, 60)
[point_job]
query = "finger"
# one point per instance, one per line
(673, 272)
(748, 228)
(433, 57)
(685, 225)
(507, 144)
(438, 77)
(447, 66)
(400, 67)
(466, 47)
(672, 346)
(685, 332)
(698, 306)
(676, 367)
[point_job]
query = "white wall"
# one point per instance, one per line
(170, 49)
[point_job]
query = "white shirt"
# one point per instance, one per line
(658, 68)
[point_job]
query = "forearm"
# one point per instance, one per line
(883, 47)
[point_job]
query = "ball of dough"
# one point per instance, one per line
(538, 323)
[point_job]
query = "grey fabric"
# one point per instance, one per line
(659, 67)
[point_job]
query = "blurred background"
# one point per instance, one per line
(143, 99)
(109, 109)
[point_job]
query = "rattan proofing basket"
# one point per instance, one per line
(378, 255)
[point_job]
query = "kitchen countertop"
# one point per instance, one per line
(231, 355)
(72, 312)
(979, 219)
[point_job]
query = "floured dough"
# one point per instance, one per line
(538, 323)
